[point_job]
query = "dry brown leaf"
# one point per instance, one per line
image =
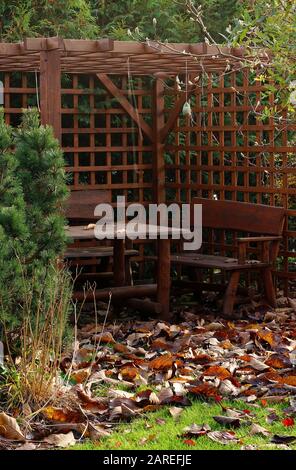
(27, 446)
(277, 362)
(121, 348)
(104, 338)
(223, 437)
(269, 337)
(256, 429)
(9, 428)
(164, 362)
(62, 415)
(258, 365)
(96, 432)
(230, 421)
(218, 371)
(129, 373)
(204, 390)
(61, 440)
(175, 412)
(79, 376)
(195, 430)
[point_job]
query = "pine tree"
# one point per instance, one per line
(32, 237)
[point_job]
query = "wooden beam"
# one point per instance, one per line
(158, 160)
(50, 90)
(123, 292)
(69, 45)
(116, 92)
(9, 49)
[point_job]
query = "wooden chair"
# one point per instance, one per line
(265, 223)
(80, 211)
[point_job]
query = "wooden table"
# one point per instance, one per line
(119, 233)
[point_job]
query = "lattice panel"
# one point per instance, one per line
(19, 91)
(227, 152)
(103, 147)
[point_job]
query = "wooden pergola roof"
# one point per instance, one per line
(111, 57)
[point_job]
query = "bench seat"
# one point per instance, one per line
(215, 261)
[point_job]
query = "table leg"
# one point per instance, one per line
(164, 276)
(119, 262)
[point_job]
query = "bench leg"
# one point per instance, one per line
(230, 293)
(269, 289)
(128, 272)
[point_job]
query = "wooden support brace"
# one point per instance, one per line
(174, 114)
(116, 92)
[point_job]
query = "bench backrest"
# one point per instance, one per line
(81, 204)
(241, 216)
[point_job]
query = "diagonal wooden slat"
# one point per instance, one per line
(174, 114)
(116, 92)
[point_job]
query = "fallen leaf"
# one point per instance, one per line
(228, 421)
(150, 438)
(257, 429)
(96, 432)
(204, 390)
(128, 373)
(269, 337)
(164, 362)
(95, 405)
(27, 446)
(175, 412)
(272, 417)
(62, 415)
(282, 439)
(223, 437)
(104, 338)
(218, 371)
(79, 376)
(288, 422)
(9, 428)
(60, 440)
(189, 442)
(278, 362)
(258, 365)
(196, 430)
(160, 421)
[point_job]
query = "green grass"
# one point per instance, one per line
(165, 436)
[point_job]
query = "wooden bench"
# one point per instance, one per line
(80, 211)
(265, 223)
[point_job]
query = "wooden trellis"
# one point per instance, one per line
(117, 111)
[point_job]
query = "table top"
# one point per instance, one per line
(121, 231)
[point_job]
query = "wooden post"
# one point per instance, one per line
(50, 89)
(158, 157)
(119, 262)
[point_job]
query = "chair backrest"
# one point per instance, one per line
(81, 204)
(241, 216)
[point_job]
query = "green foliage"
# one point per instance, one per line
(32, 236)
(99, 18)
(114, 18)
(269, 26)
(42, 176)
(30, 18)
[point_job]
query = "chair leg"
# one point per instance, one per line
(229, 296)
(128, 272)
(269, 289)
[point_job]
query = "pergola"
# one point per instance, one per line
(210, 162)
(53, 56)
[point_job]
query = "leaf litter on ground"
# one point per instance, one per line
(210, 359)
